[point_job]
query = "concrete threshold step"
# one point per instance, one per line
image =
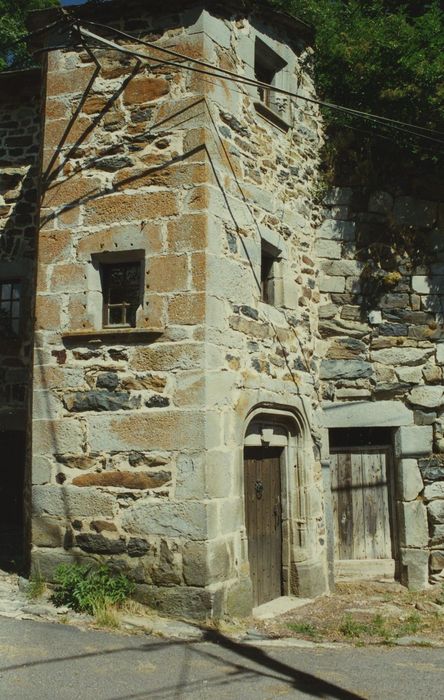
(279, 606)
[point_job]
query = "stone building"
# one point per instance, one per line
(217, 405)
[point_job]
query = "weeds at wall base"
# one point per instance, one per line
(98, 592)
(36, 586)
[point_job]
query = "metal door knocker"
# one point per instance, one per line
(259, 487)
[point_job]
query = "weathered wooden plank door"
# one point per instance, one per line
(263, 521)
(360, 484)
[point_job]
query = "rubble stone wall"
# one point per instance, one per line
(381, 343)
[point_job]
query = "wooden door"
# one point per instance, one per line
(362, 509)
(263, 515)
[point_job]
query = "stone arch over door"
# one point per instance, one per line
(281, 435)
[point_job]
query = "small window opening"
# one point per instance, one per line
(10, 293)
(121, 286)
(269, 263)
(267, 67)
(264, 74)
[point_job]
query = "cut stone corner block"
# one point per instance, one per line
(44, 562)
(207, 562)
(413, 524)
(309, 579)
(410, 483)
(232, 599)
(182, 601)
(414, 441)
(239, 598)
(415, 569)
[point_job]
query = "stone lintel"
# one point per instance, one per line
(366, 414)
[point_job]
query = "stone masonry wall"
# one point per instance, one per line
(381, 329)
(138, 433)
(261, 354)
(138, 436)
(118, 417)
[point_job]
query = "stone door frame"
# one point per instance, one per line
(275, 427)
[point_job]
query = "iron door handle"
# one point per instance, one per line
(277, 512)
(259, 488)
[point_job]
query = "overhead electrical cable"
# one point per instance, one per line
(247, 81)
(405, 127)
(70, 19)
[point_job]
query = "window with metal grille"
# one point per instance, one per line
(121, 286)
(10, 308)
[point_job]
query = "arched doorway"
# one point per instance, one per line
(263, 520)
(272, 459)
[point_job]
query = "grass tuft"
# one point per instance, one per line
(303, 628)
(107, 615)
(352, 628)
(411, 625)
(36, 586)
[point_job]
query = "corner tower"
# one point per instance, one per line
(176, 305)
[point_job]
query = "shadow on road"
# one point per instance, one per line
(249, 663)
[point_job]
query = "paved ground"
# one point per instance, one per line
(40, 660)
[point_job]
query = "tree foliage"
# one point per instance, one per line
(380, 56)
(13, 53)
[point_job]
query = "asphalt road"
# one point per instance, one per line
(41, 660)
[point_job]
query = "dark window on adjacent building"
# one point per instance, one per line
(269, 263)
(10, 308)
(121, 287)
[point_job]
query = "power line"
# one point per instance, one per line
(248, 81)
(403, 127)
(398, 125)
